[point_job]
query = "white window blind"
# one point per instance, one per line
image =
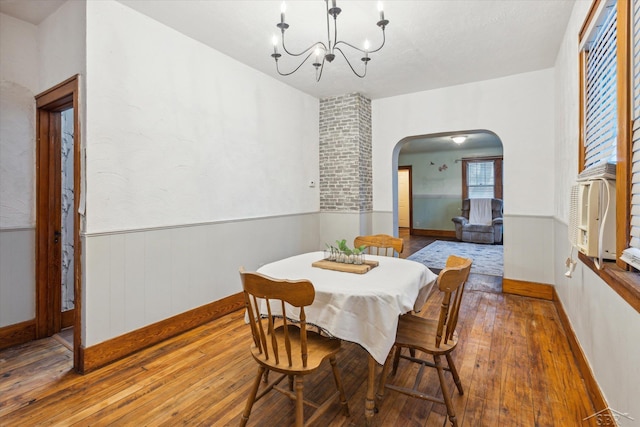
(600, 93)
(635, 115)
(480, 180)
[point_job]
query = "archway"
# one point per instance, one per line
(441, 179)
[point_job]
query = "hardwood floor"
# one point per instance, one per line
(513, 358)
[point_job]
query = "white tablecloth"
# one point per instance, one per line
(361, 308)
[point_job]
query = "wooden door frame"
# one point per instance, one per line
(410, 196)
(49, 104)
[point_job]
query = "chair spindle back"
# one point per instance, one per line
(264, 293)
(380, 244)
(451, 281)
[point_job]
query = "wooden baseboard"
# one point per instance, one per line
(527, 289)
(23, 332)
(99, 355)
(597, 398)
(434, 233)
(17, 334)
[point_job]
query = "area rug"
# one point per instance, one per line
(487, 259)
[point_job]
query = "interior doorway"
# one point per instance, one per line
(57, 218)
(404, 197)
(438, 184)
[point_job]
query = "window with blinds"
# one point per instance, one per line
(610, 130)
(600, 132)
(480, 180)
(635, 115)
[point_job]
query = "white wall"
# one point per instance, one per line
(196, 165)
(61, 45)
(18, 86)
(180, 133)
(607, 327)
(32, 59)
(519, 109)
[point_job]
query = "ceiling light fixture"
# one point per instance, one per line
(326, 52)
(458, 139)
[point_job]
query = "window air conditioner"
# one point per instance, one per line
(592, 218)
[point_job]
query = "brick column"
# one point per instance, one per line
(345, 154)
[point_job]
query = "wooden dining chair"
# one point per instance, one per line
(435, 337)
(286, 348)
(380, 244)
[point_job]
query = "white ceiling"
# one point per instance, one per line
(33, 11)
(430, 43)
(478, 140)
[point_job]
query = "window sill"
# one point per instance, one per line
(625, 283)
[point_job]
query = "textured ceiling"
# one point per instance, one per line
(479, 140)
(33, 11)
(430, 44)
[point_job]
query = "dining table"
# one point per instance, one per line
(362, 308)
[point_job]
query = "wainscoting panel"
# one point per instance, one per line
(382, 223)
(345, 225)
(528, 248)
(434, 211)
(606, 326)
(17, 276)
(140, 277)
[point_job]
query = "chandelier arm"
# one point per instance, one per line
(384, 39)
(319, 75)
(351, 66)
(296, 69)
(351, 46)
(310, 48)
(362, 50)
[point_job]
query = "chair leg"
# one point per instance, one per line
(445, 391)
(454, 373)
(396, 360)
(339, 386)
(299, 401)
(383, 378)
(290, 382)
(252, 396)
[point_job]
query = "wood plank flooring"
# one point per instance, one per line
(513, 357)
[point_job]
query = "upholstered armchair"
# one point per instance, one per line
(488, 232)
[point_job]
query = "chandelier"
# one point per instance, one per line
(326, 52)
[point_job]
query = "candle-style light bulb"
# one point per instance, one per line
(317, 52)
(366, 52)
(283, 9)
(274, 40)
(381, 10)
